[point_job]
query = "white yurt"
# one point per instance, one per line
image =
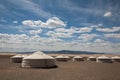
(17, 58)
(78, 58)
(104, 59)
(38, 60)
(91, 58)
(115, 59)
(71, 57)
(62, 58)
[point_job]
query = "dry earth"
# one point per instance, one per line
(85, 70)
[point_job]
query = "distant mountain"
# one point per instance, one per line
(63, 52)
(71, 52)
(24, 52)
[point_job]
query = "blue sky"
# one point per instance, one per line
(82, 25)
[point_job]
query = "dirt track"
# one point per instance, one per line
(65, 71)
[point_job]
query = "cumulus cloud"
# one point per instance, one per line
(52, 22)
(63, 30)
(35, 32)
(114, 35)
(60, 35)
(99, 41)
(74, 30)
(113, 29)
(13, 38)
(51, 40)
(69, 33)
(108, 14)
(106, 47)
(96, 26)
(84, 29)
(23, 42)
(87, 37)
(32, 23)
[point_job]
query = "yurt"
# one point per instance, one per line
(17, 58)
(91, 58)
(71, 57)
(38, 60)
(115, 59)
(62, 58)
(104, 59)
(78, 58)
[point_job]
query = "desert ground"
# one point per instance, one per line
(71, 70)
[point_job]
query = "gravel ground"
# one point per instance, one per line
(71, 70)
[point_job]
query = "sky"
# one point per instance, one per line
(80, 25)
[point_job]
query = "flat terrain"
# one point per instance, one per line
(66, 71)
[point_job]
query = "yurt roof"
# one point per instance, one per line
(78, 57)
(91, 57)
(39, 52)
(38, 55)
(18, 56)
(66, 56)
(103, 57)
(115, 57)
(60, 56)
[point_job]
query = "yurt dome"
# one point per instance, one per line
(62, 58)
(104, 59)
(78, 58)
(71, 57)
(91, 58)
(38, 59)
(115, 59)
(17, 58)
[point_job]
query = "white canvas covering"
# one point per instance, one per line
(91, 58)
(38, 59)
(103, 59)
(62, 58)
(17, 58)
(78, 58)
(115, 59)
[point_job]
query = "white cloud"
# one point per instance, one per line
(13, 38)
(99, 41)
(51, 40)
(15, 22)
(87, 37)
(52, 22)
(27, 22)
(96, 26)
(37, 23)
(57, 34)
(23, 42)
(84, 29)
(35, 32)
(63, 30)
(32, 23)
(114, 35)
(108, 14)
(104, 47)
(113, 29)
(74, 30)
